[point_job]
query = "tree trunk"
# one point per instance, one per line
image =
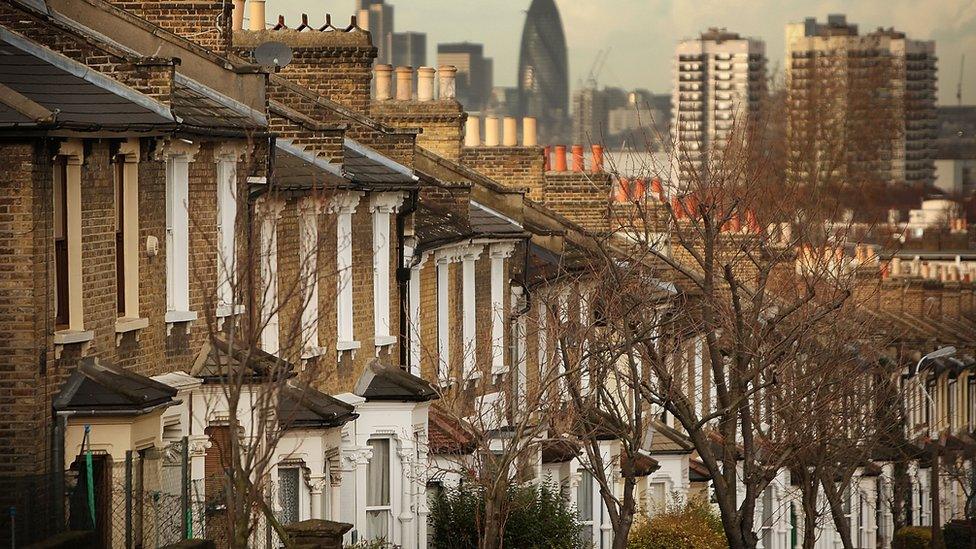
(841, 522)
(900, 491)
(936, 495)
(811, 514)
(621, 533)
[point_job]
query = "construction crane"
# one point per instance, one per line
(597, 68)
(962, 67)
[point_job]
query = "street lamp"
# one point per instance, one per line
(938, 353)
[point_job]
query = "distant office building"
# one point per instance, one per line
(377, 17)
(835, 72)
(475, 76)
(543, 76)
(955, 157)
(719, 82)
(502, 102)
(408, 49)
(641, 123)
(590, 118)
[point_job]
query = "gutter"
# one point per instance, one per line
(403, 278)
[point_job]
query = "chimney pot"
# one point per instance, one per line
(546, 158)
(425, 84)
(238, 16)
(597, 166)
(472, 131)
(448, 81)
(658, 189)
(510, 131)
(384, 82)
(491, 131)
(579, 163)
(404, 83)
(623, 190)
(530, 132)
(256, 16)
(895, 266)
(560, 158)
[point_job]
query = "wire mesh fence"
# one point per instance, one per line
(149, 500)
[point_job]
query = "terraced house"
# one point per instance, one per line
(235, 287)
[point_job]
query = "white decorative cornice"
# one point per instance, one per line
(470, 252)
(267, 206)
(198, 445)
(312, 205)
(502, 250)
(130, 150)
(173, 147)
(345, 202)
(73, 150)
(386, 203)
(233, 150)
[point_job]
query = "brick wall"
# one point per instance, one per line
(337, 64)
(206, 22)
(583, 198)
(442, 122)
(514, 167)
(151, 78)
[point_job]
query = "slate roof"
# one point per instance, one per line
(98, 388)
(559, 450)
(300, 405)
(216, 358)
(669, 441)
(367, 166)
(489, 222)
(73, 95)
(698, 472)
(383, 381)
(298, 170)
(202, 108)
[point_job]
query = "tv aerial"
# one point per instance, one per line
(273, 54)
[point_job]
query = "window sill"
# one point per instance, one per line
(348, 346)
(224, 311)
(72, 337)
(128, 324)
(178, 317)
(313, 352)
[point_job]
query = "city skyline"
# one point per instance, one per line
(644, 33)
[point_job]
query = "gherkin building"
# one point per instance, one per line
(543, 78)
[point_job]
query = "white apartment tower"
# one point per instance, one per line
(719, 82)
(875, 92)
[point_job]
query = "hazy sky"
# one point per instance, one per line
(642, 33)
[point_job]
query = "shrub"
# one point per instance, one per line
(692, 526)
(958, 534)
(912, 537)
(539, 519)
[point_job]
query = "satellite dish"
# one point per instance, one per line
(273, 54)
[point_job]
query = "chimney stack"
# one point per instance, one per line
(448, 81)
(425, 84)
(404, 83)
(509, 131)
(238, 17)
(256, 17)
(491, 131)
(530, 134)
(579, 163)
(560, 158)
(472, 131)
(384, 82)
(597, 166)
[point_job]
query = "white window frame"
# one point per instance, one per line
(382, 206)
(519, 350)
(343, 206)
(469, 290)
(178, 155)
(388, 507)
(74, 156)
(498, 253)
(443, 261)
(309, 209)
(226, 158)
(269, 211)
(414, 298)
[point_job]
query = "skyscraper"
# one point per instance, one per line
(408, 49)
(475, 76)
(377, 17)
(872, 96)
(543, 77)
(719, 82)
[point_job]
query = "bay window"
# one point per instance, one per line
(226, 232)
(379, 511)
(584, 505)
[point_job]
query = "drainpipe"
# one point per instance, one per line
(403, 280)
